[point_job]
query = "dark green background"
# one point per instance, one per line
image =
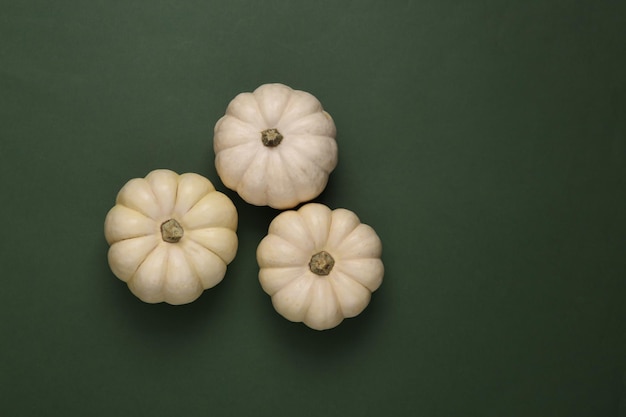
(485, 141)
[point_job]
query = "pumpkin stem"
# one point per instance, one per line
(171, 231)
(321, 263)
(271, 137)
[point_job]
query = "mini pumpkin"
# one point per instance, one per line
(319, 266)
(171, 236)
(275, 146)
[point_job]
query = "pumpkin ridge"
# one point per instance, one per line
(196, 202)
(371, 234)
(308, 228)
(250, 165)
(349, 234)
(282, 112)
(220, 218)
(335, 296)
(170, 195)
(132, 237)
(192, 267)
(295, 143)
(327, 212)
(153, 238)
(222, 137)
(166, 268)
(139, 212)
(290, 243)
(288, 173)
(266, 169)
(226, 148)
(334, 292)
(142, 262)
(303, 96)
(259, 111)
(301, 125)
(261, 107)
(305, 154)
(297, 270)
(306, 304)
(113, 216)
(349, 275)
(295, 223)
(227, 172)
(337, 242)
(153, 193)
(238, 105)
(175, 194)
(195, 242)
(205, 253)
(308, 318)
(377, 281)
(123, 192)
(142, 213)
(335, 284)
(309, 189)
(177, 212)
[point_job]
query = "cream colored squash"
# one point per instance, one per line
(319, 266)
(171, 236)
(275, 146)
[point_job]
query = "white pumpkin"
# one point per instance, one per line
(275, 146)
(171, 236)
(319, 266)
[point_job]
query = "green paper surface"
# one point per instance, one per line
(484, 141)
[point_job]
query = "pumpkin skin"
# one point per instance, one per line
(275, 146)
(319, 266)
(171, 236)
